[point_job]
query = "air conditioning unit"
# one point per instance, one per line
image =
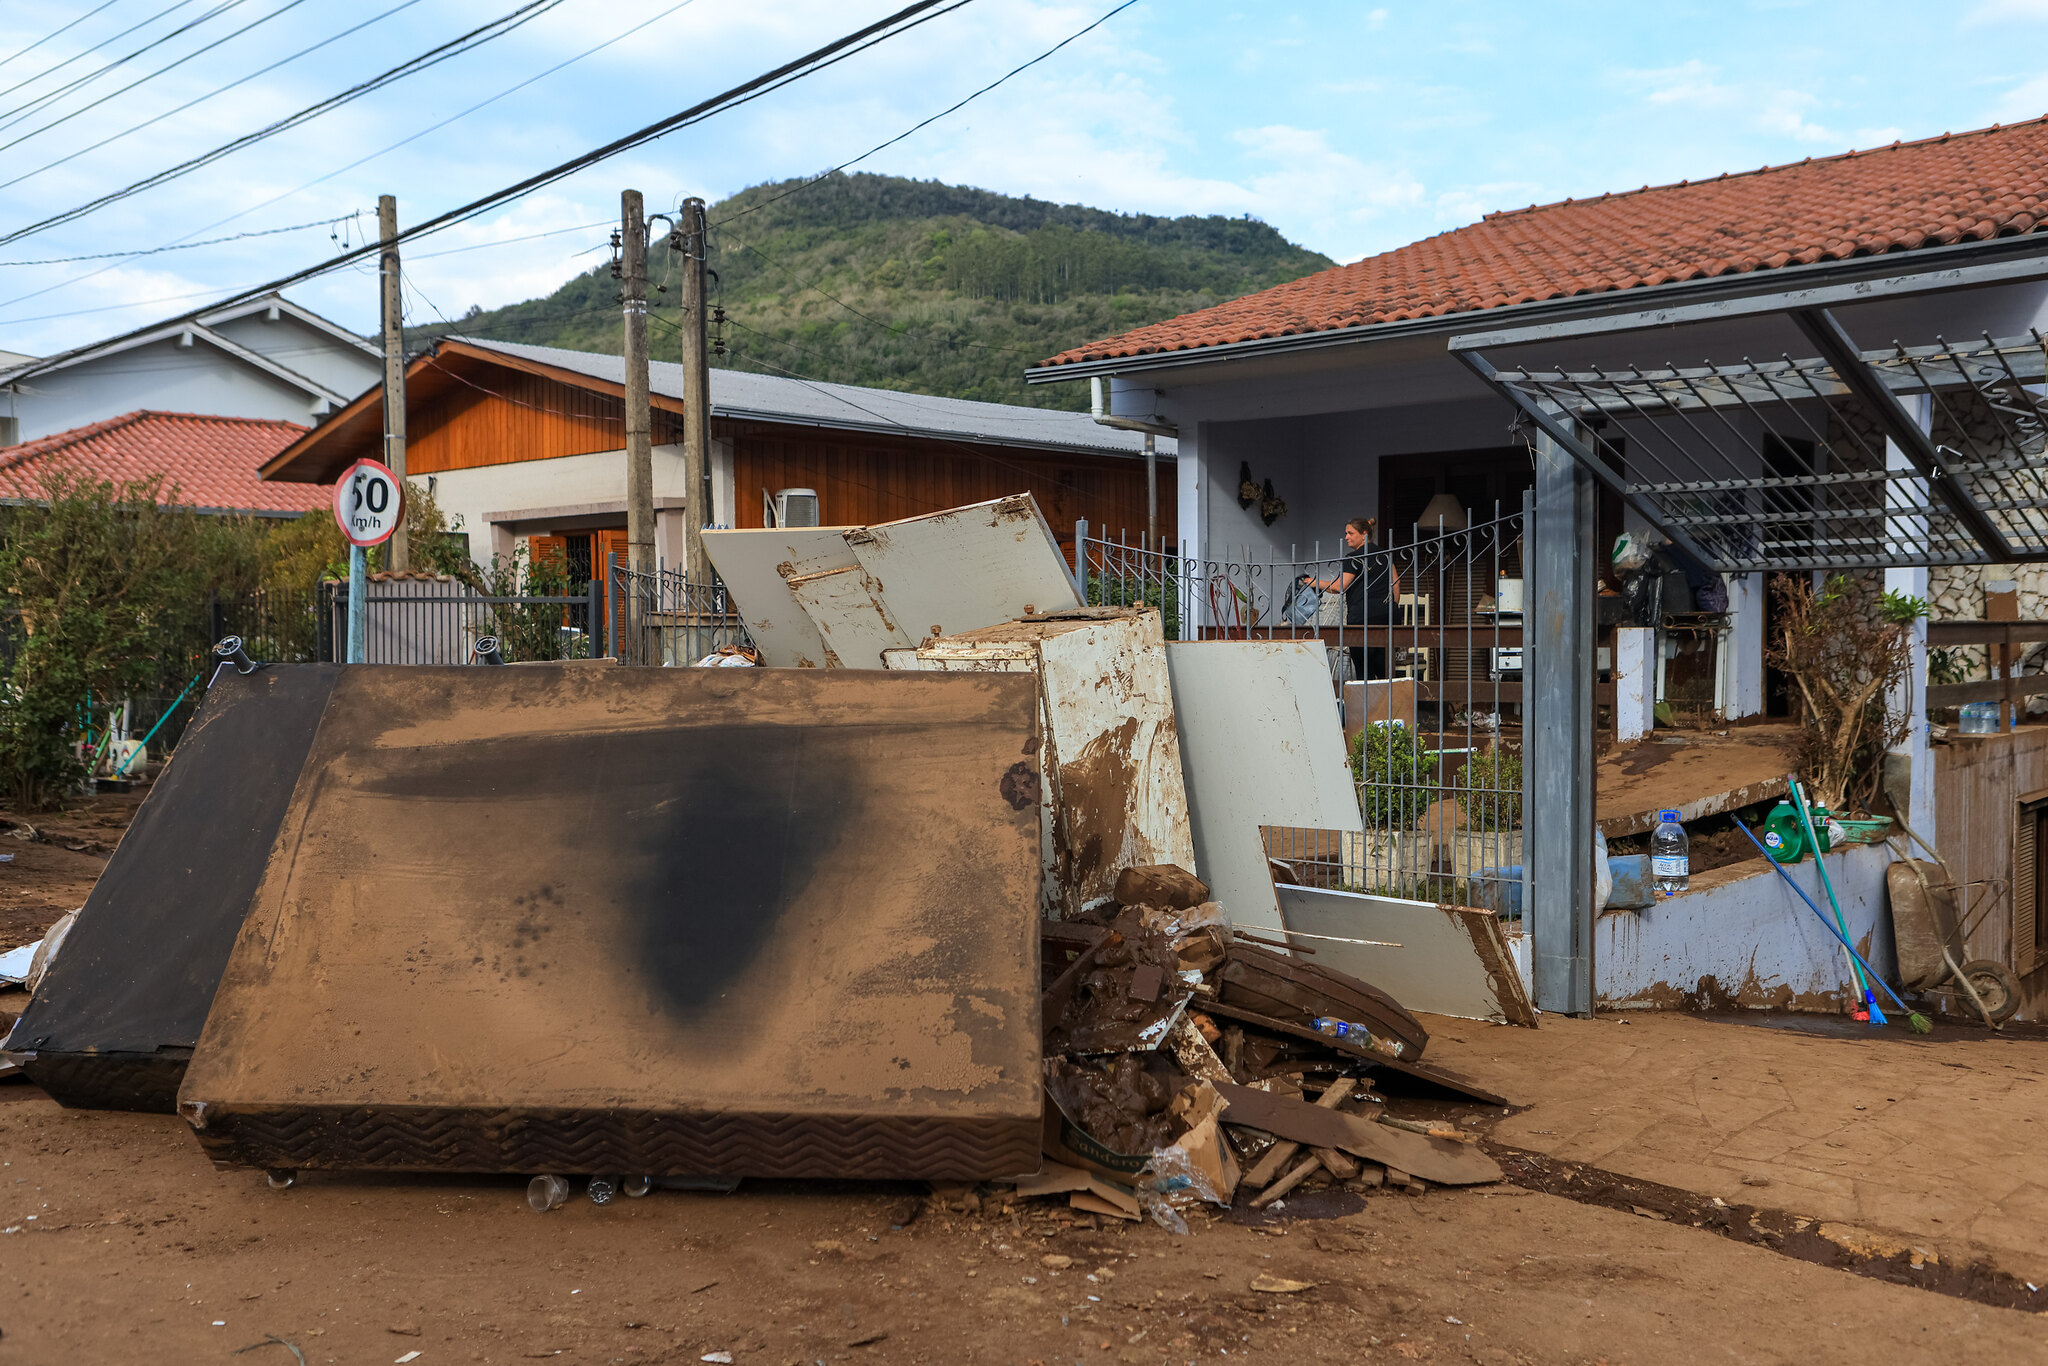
(792, 507)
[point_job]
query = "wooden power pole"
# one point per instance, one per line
(639, 420)
(394, 367)
(693, 238)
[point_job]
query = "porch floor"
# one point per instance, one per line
(1701, 773)
(1934, 1140)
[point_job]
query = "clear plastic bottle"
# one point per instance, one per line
(1670, 861)
(544, 1193)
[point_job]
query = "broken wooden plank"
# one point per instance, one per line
(1307, 1167)
(1452, 1164)
(1436, 1076)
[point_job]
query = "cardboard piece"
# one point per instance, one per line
(1085, 1190)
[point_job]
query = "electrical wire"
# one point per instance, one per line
(287, 194)
(508, 241)
(222, 90)
(285, 8)
(20, 112)
(174, 6)
(832, 53)
(58, 33)
(183, 246)
(918, 127)
(455, 47)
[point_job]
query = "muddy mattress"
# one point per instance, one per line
(724, 922)
(117, 1015)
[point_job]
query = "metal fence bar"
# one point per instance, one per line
(1420, 644)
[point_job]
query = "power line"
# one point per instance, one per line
(242, 213)
(58, 33)
(832, 53)
(222, 90)
(475, 38)
(49, 70)
(509, 241)
(918, 127)
(144, 80)
(19, 112)
(182, 246)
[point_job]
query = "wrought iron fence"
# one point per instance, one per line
(438, 621)
(664, 619)
(1424, 643)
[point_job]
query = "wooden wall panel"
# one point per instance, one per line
(862, 481)
(507, 416)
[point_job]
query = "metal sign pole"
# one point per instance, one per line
(369, 507)
(358, 589)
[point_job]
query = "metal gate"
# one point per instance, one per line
(1427, 656)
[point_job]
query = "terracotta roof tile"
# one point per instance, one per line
(211, 461)
(1983, 184)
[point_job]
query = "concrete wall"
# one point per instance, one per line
(1978, 783)
(1740, 938)
(563, 493)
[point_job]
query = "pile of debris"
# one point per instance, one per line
(1185, 1062)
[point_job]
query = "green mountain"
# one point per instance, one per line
(914, 285)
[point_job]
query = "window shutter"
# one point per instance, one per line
(2025, 891)
(542, 548)
(609, 544)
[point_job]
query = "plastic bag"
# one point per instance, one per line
(1631, 552)
(1304, 602)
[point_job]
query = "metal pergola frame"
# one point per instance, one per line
(1890, 498)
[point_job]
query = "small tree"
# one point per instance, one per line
(90, 574)
(1489, 790)
(1844, 651)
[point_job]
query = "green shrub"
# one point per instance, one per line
(1394, 773)
(1489, 791)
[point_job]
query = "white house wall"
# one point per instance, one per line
(325, 359)
(162, 376)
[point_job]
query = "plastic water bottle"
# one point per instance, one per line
(1670, 862)
(1357, 1034)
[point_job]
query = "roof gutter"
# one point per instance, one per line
(2018, 251)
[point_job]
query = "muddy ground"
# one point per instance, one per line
(120, 1243)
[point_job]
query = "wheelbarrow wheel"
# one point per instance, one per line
(1996, 987)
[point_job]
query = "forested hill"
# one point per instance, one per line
(914, 285)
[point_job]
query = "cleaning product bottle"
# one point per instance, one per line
(1670, 855)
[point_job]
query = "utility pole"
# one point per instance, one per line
(693, 238)
(1151, 491)
(394, 367)
(639, 421)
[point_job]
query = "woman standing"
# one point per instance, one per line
(1369, 584)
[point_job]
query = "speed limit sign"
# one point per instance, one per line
(368, 503)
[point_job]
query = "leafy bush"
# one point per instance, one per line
(90, 577)
(1489, 790)
(1115, 591)
(1394, 773)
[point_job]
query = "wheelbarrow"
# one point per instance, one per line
(1928, 930)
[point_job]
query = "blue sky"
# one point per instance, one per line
(1353, 128)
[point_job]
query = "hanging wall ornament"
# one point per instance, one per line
(1271, 507)
(1247, 490)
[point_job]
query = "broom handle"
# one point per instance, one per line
(1813, 842)
(1825, 923)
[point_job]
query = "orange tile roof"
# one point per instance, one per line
(1983, 184)
(211, 462)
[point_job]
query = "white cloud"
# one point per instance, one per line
(2004, 12)
(2027, 100)
(1375, 20)
(1694, 87)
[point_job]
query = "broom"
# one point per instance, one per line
(1873, 1014)
(1915, 1021)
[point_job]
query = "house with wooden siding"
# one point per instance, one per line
(522, 442)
